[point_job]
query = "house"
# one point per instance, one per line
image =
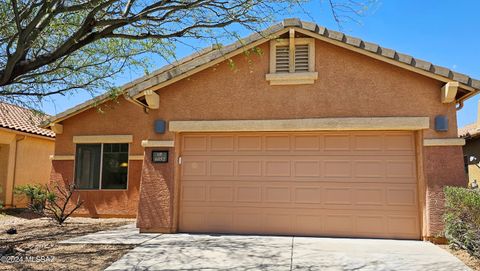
(310, 132)
(471, 150)
(25, 150)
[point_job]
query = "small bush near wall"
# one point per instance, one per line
(36, 195)
(462, 219)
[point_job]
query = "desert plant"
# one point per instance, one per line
(57, 202)
(462, 219)
(36, 195)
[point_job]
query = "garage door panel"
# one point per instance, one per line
(277, 143)
(369, 169)
(303, 222)
(194, 143)
(306, 168)
(222, 168)
(361, 143)
(369, 196)
(403, 142)
(371, 224)
(222, 143)
(249, 193)
(403, 225)
(359, 184)
(307, 194)
(220, 193)
(249, 143)
(333, 195)
(402, 195)
(400, 169)
(249, 168)
(280, 194)
(194, 167)
(370, 142)
(219, 220)
(246, 221)
(307, 143)
(194, 193)
(337, 168)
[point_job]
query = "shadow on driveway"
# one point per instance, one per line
(235, 252)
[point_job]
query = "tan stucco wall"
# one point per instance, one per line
(348, 85)
(4, 149)
(28, 161)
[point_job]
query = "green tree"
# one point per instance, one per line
(58, 46)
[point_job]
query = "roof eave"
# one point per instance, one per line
(206, 58)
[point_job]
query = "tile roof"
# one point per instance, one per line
(23, 120)
(469, 131)
(210, 54)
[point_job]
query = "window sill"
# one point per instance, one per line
(297, 78)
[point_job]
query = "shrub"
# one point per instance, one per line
(36, 195)
(462, 219)
(57, 201)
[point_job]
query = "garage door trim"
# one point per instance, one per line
(295, 125)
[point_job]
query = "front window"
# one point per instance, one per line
(101, 166)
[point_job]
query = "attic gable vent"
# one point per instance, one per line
(292, 60)
(301, 58)
(282, 59)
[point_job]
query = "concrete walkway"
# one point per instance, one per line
(234, 252)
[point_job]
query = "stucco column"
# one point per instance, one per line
(443, 167)
(155, 209)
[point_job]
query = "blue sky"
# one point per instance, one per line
(446, 33)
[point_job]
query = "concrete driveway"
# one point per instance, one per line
(234, 252)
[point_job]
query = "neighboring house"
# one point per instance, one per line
(320, 134)
(25, 151)
(471, 150)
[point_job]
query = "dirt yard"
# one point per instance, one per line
(36, 247)
(470, 261)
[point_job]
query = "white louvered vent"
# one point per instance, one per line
(282, 59)
(301, 58)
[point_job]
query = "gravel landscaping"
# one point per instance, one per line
(470, 261)
(36, 245)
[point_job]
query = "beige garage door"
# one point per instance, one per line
(360, 184)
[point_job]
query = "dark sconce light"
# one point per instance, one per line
(159, 126)
(441, 123)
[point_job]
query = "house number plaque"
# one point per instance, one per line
(160, 156)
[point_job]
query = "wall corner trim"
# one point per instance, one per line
(103, 139)
(157, 143)
(62, 157)
(432, 142)
(318, 124)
